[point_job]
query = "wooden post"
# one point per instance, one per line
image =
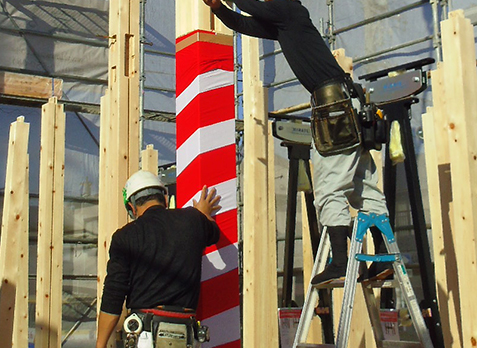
(271, 246)
(259, 316)
(440, 198)
(14, 241)
(119, 129)
(206, 155)
(460, 76)
(149, 159)
(50, 227)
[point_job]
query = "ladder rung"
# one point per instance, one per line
(378, 258)
(401, 344)
(390, 283)
(331, 285)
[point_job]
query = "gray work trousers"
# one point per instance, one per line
(347, 178)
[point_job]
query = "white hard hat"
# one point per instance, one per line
(142, 181)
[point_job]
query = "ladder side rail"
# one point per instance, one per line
(405, 284)
(312, 295)
(350, 285)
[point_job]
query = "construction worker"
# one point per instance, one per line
(344, 171)
(155, 265)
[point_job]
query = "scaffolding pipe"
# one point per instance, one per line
(391, 49)
(380, 17)
(436, 31)
(142, 76)
(330, 33)
(78, 322)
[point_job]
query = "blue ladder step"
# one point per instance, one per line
(378, 258)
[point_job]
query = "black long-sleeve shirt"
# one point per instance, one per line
(156, 260)
(288, 22)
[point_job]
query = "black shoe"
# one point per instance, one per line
(331, 272)
(378, 271)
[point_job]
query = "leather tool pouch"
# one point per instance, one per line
(334, 124)
(374, 128)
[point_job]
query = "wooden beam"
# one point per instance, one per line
(149, 159)
(20, 323)
(23, 85)
(271, 246)
(14, 240)
(460, 76)
(257, 317)
(440, 198)
(192, 15)
(104, 223)
(119, 129)
(48, 317)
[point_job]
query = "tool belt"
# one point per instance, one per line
(334, 124)
(170, 327)
(337, 126)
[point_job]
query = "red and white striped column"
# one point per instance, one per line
(206, 155)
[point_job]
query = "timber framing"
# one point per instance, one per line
(119, 127)
(14, 240)
(450, 140)
(260, 276)
(48, 318)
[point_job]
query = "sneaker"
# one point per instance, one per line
(378, 271)
(331, 272)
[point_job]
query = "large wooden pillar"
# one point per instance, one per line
(119, 128)
(206, 155)
(14, 241)
(260, 270)
(450, 140)
(48, 319)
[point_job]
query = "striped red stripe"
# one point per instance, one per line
(205, 170)
(221, 288)
(214, 107)
(228, 223)
(234, 344)
(200, 58)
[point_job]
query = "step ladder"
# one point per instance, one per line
(361, 225)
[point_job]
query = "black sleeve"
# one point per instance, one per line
(246, 25)
(210, 229)
(116, 284)
(213, 233)
(273, 11)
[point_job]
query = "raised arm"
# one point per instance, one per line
(272, 11)
(245, 25)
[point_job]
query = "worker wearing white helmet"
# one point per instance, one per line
(155, 266)
(140, 185)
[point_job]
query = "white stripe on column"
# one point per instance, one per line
(202, 83)
(227, 191)
(219, 262)
(204, 140)
(220, 337)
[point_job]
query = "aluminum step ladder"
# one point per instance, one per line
(361, 225)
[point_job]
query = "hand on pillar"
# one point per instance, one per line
(208, 202)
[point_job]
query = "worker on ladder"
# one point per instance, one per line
(342, 125)
(155, 264)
